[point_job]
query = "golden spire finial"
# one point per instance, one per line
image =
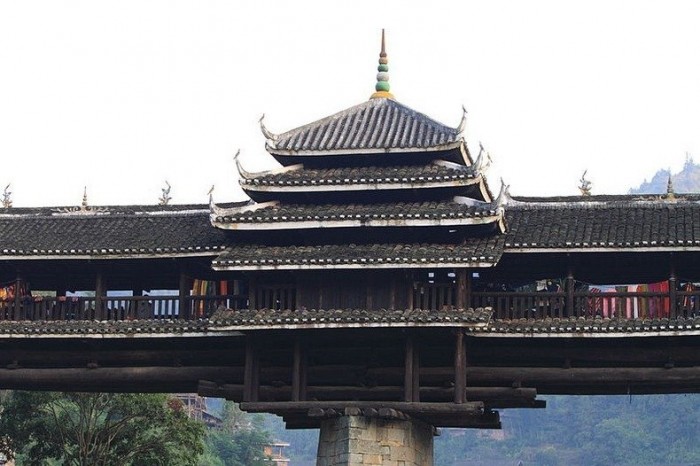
(382, 87)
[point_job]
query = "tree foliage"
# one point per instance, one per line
(586, 430)
(99, 429)
(239, 442)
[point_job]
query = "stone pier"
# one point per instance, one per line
(365, 441)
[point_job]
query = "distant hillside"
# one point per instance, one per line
(685, 181)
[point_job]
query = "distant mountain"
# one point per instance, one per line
(685, 181)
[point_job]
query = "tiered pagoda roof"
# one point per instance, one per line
(379, 126)
(400, 188)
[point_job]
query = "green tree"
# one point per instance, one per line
(99, 429)
(240, 441)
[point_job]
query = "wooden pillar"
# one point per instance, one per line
(100, 292)
(672, 288)
(570, 285)
(18, 314)
(299, 371)
(411, 383)
(183, 295)
(460, 368)
(251, 371)
(462, 301)
(252, 292)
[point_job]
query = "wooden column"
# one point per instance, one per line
(672, 288)
(183, 294)
(251, 371)
(460, 368)
(570, 293)
(18, 314)
(299, 371)
(252, 292)
(411, 383)
(462, 301)
(100, 291)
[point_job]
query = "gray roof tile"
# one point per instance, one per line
(363, 175)
(376, 125)
(114, 231)
(603, 222)
(471, 254)
(583, 325)
(433, 210)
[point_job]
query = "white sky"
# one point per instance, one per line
(122, 95)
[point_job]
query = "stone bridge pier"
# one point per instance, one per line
(373, 441)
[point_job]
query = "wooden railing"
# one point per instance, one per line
(118, 308)
(434, 296)
(506, 305)
(624, 305)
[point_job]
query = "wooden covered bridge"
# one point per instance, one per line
(374, 276)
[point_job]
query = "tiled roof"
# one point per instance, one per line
(595, 326)
(108, 232)
(415, 174)
(378, 125)
(603, 222)
(350, 214)
(231, 321)
(479, 321)
(472, 254)
(361, 317)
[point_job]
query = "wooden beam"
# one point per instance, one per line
(330, 393)
(474, 408)
(112, 379)
(392, 393)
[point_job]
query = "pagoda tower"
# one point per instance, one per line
(372, 227)
(374, 207)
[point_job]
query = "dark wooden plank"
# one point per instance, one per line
(460, 368)
(408, 370)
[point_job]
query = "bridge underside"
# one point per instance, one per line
(441, 376)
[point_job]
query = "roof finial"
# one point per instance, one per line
(7, 197)
(585, 186)
(165, 197)
(670, 193)
(85, 205)
(382, 87)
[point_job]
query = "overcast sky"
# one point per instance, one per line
(121, 96)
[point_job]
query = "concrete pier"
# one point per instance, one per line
(364, 441)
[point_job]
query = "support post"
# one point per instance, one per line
(460, 368)
(100, 291)
(462, 298)
(18, 314)
(183, 310)
(408, 370)
(672, 295)
(251, 371)
(570, 293)
(299, 371)
(252, 292)
(411, 381)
